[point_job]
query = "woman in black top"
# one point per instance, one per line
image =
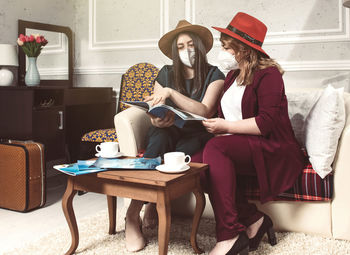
(190, 84)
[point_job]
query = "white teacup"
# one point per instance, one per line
(108, 149)
(176, 160)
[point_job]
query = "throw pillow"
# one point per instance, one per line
(323, 127)
(300, 103)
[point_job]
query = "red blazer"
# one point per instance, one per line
(277, 156)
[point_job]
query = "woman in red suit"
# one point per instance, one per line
(254, 136)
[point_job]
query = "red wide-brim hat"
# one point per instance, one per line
(247, 29)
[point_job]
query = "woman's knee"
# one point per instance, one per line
(197, 157)
(188, 146)
(155, 132)
(212, 147)
(159, 141)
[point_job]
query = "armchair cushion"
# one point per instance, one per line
(100, 135)
(137, 83)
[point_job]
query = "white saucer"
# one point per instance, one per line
(117, 155)
(165, 169)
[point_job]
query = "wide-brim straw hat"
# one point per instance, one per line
(184, 26)
(247, 29)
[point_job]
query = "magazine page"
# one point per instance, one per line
(161, 110)
(104, 164)
(139, 104)
(128, 163)
(75, 173)
(79, 168)
(188, 115)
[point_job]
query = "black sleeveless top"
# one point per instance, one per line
(166, 79)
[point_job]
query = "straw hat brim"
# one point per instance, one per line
(204, 34)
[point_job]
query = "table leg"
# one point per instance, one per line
(200, 204)
(164, 221)
(67, 206)
(112, 213)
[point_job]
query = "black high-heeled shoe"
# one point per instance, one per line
(266, 227)
(241, 246)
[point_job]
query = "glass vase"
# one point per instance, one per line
(32, 77)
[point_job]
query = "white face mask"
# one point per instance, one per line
(187, 56)
(227, 61)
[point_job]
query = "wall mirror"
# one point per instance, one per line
(55, 63)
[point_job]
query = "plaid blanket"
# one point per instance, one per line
(308, 187)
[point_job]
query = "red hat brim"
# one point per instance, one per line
(236, 36)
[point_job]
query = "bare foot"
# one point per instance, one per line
(134, 239)
(150, 218)
(223, 247)
(253, 229)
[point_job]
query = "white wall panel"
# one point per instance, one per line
(126, 24)
(125, 20)
(177, 11)
(310, 38)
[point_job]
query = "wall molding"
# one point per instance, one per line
(100, 70)
(59, 47)
(190, 11)
(288, 66)
(152, 43)
(322, 65)
(338, 34)
(49, 72)
(51, 48)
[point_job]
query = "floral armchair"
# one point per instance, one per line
(137, 83)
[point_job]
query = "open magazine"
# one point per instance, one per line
(160, 111)
(79, 168)
(104, 164)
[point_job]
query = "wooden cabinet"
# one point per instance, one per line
(55, 116)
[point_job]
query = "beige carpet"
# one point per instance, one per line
(94, 239)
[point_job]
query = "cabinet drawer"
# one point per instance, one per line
(46, 98)
(48, 128)
(81, 96)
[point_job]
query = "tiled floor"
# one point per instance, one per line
(17, 228)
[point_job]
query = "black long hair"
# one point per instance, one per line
(200, 65)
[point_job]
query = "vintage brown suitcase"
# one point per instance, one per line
(22, 175)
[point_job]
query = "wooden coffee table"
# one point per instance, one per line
(145, 185)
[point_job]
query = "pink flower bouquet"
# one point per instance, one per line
(32, 44)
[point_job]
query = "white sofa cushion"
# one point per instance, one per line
(323, 127)
(300, 103)
(318, 117)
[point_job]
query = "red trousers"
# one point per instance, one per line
(228, 157)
